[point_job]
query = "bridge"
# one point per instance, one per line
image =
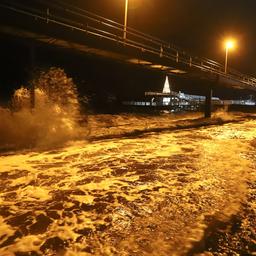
(62, 25)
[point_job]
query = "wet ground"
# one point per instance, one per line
(136, 186)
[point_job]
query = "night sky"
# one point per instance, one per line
(198, 26)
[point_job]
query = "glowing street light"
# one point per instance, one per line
(125, 18)
(229, 45)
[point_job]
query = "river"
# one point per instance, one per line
(134, 186)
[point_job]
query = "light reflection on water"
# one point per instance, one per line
(137, 186)
(152, 195)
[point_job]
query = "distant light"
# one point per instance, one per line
(138, 61)
(178, 71)
(230, 44)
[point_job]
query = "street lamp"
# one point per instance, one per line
(229, 44)
(125, 18)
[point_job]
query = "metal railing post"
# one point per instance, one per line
(161, 51)
(177, 56)
(47, 15)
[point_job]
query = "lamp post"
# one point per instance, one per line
(125, 18)
(229, 44)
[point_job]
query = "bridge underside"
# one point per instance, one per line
(121, 53)
(115, 54)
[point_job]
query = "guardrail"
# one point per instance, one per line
(80, 20)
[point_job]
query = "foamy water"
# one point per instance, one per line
(53, 120)
(139, 185)
(149, 195)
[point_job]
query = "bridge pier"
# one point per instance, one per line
(31, 69)
(208, 104)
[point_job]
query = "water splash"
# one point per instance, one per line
(53, 120)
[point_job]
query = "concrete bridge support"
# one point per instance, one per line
(31, 68)
(208, 104)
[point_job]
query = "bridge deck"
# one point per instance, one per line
(70, 27)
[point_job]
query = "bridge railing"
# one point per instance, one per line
(85, 22)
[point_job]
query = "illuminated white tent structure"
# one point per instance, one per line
(166, 89)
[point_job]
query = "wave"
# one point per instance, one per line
(53, 120)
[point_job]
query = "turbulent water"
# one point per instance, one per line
(53, 120)
(135, 185)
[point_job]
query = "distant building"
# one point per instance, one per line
(180, 101)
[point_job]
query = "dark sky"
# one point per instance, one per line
(199, 26)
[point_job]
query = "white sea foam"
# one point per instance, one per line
(52, 121)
